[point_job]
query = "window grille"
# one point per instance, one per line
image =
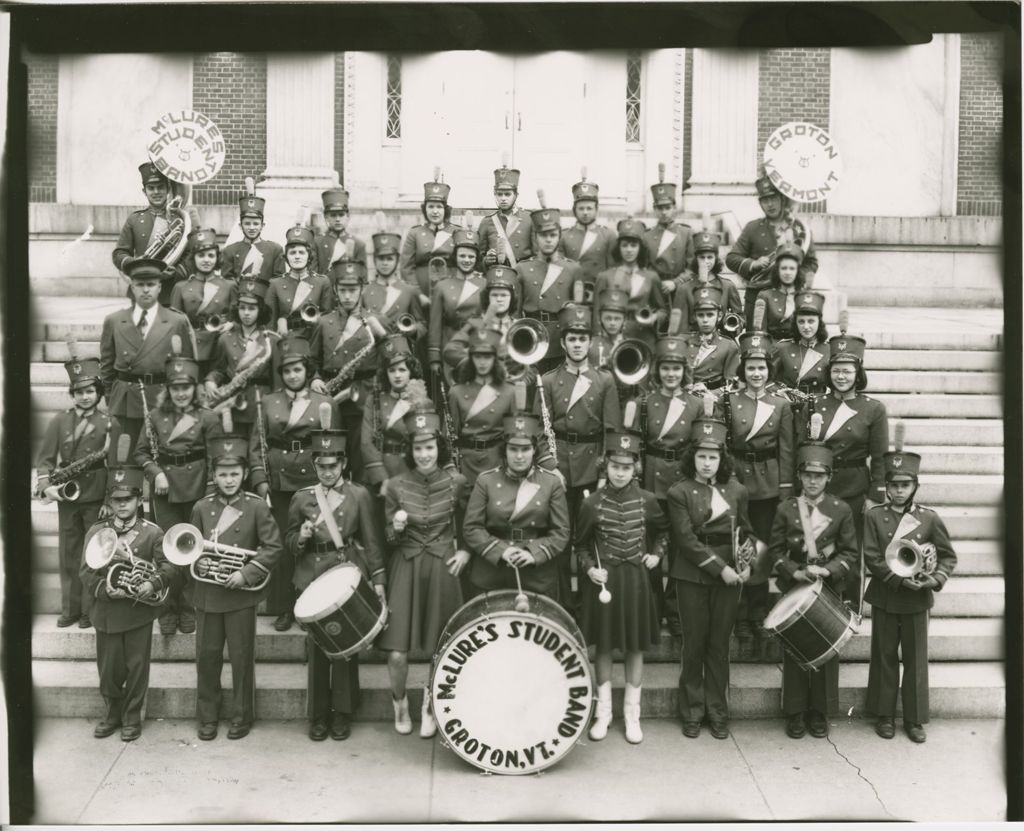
(633, 64)
(393, 98)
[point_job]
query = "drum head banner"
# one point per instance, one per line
(802, 161)
(186, 147)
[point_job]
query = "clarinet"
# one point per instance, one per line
(151, 437)
(261, 434)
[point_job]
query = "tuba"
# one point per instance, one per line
(630, 362)
(208, 560)
(168, 243)
(125, 571)
(527, 341)
(911, 559)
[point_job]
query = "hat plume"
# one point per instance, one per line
(226, 421)
(675, 320)
(898, 432)
(814, 428)
(124, 445)
(469, 220)
(519, 396)
(380, 221)
(583, 173)
(759, 307)
(176, 344)
(629, 415)
(540, 198)
(72, 343)
(250, 186)
(661, 172)
(709, 405)
(325, 415)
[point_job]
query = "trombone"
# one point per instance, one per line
(209, 561)
(126, 571)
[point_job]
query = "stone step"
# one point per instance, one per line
(940, 489)
(919, 339)
(69, 689)
(939, 405)
(960, 432)
(109, 285)
(949, 639)
(959, 460)
(928, 381)
(939, 360)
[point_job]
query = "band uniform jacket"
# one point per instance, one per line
(697, 511)
(435, 505)
(452, 303)
(834, 536)
(713, 363)
(884, 523)
(181, 451)
(529, 512)
(60, 448)
(198, 299)
(669, 249)
(383, 436)
(456, 348)
(115, 615)
(262, 259)
(288, 440)
(582, 409)
(518, 230)
(760, 427)
(135, 235)
(327, 245)
(337, 340)
(285, 299)
(799, 366)
(356, 518)
(759, 239)
(854, 430)
(684, 297)
(226, 363)
(644, 289)
(477, 413)
(665, 423)
(244, 521)
(390, 302)
(623, 524)
(123, 350)
(591, 246)
(543, 289)
(420, 246)
(776, 323)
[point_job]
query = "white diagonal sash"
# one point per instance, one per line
(228, 517)
(843, 415)
(819, 521)
(487, 396)
(636, 286)
(527, 490)
(762, 412)
(339, 253)
(549, 277)
(250, 352)
(352, 325)
(719, 506)
(440, 238)
(299, 407)
(391, 295)
(209, 292)
(666, 240)
(908, 524)
(399, 410)
(324, 502)
(185, 423)
(253, 263)
(302, 291)
(512, 224)
(84, 428)
(466, 292)
(589, 238)
(811, 359)
(704, 352)
(675, 411)
(579, 389)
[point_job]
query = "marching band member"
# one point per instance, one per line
(204, 295)
(433, 238)
(505, 234)
(135, 344)
(620, 537)
(124, 627)
(456, 298)
(669, 244)
(172, 453)
(252, 257)
(704, 270)
(424, 512)
(80, 434)
(610, 323)
(646, 303)
(245, 355)
(289, 414)
(715, 358)
(812, 538)
(498, 299)
(900, 604)
(300, 293)
(587, 243)
(547, 280)
(226, 613)
(582, 405)
(802, 359)
(703, 510)
(527, 532)
(761, 437)
(785, 283)
(398, 387)
(334, 246)
(330, 523)
(752, 255)
(478, 402)
(389, 296)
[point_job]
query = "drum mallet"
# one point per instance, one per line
(603, 595)
(522, 602)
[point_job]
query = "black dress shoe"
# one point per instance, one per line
(691, 729)
(64, 621)
(817, 724)
(915, 732)
(239, 731)
(130, 732)
(795, 726)
(207, 731)
(105, 728)
(186, 623)
(84, 622)
(885, 727)
(719, 729)
(168, 624)
(318, 729)
(284, 622)
(341, 727)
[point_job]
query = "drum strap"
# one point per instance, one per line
(805, 524)
(328, 515)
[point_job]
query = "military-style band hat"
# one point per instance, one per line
(250, 205)
(709, 434)
(546, 219)
(203, 239)
(613, 300)
(394, 349)
(253, 290)
(348, 273)
(335, 199)
(385, 243)
(574, 317)
(484, 340)
(631, 229)
(705, 242)
(83, 372)
(436, 192)
(228, 450)
(622, 446)
(422, 424)
(670, 348)
(506, 177)
(521, 426)
(465, 238)
(765, 188)
(755, 345)
(125, 480)
(501, 277)
(293, 348)
(299, 235)
(814, 457)
(901, 464)
(584, 190)
(181, 370)
(144, 269)
(791, 251)
(328, 445)
(810, 302)
(707, 297)
(664, 193)
(846, 348)
(149, 173)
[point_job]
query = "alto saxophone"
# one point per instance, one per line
(335, 385)
(241, 380)
(63, 478)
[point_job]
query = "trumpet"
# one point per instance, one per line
(125, 571)
(630, 362)
(214, 322)
(911, 559)
(731, 324)
(310, 314)
(644, 316)
(209, 561)
(406, 324)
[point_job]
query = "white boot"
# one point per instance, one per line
(403, 722)
(631, 714)
(428, 727)
(603, 715)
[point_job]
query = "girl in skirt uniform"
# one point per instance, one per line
(801, 361)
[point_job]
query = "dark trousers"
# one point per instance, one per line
(331, 685)
(804, 690)
(851, 587)
(353, 423)
(238, 630)
(754, 600)
(281, 594)
(664, 589)
(123, 663)
(74, 520)
(707, 614)
(889, 632)
(166, 514)
(749, 299)
(567, 559)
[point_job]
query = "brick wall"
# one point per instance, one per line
(793, 85)
(231, 88)
(979, 161)
(42, 127)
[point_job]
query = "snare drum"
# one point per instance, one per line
(341, 611)
(512, 692)
(812, 623)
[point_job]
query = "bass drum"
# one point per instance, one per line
(812, 623)
(512, 692)
(341, 612)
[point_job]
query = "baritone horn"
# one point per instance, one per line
(911, 559)
(527, 341)
(208, 560)
(630, 362)
(125, 571)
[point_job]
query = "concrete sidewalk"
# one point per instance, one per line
(278, 775)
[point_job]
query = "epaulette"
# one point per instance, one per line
(146, 523)
(925, 508)
(835, 502)
(255, 496)
(545, 470)
(176, 311)
(307, 488)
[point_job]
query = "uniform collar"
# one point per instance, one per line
(298, 276)
(151, 312)
(300, 395)
(85, 413)
(115, 523)
(580, 370)
(224, 500)
(813, 502)
(517, 477)
(846, 396)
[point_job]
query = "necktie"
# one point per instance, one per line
(790, 307)
(143, 323)
(503, 220)
(83, 422)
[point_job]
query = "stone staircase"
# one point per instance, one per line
(938, 369)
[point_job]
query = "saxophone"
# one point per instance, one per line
(334, 386)
(233, 389)
(64, 477)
